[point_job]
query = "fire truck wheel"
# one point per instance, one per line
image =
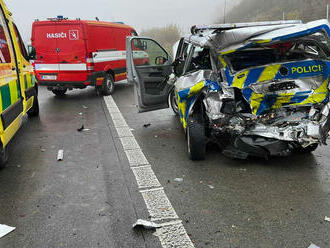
(108, 86)
(34, 111)
(3, 157)
(59, 92)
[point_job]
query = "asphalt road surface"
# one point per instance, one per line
(92, 197)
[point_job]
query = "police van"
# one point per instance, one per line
(18, 88)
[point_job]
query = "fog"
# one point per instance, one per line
(141, 14)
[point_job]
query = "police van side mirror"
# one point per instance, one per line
(32, 52)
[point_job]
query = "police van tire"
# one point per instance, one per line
(174, 102)
(34, 111)
(59, 92)
(108, 86)
(308, 149)
(196, 138)
(3, 157)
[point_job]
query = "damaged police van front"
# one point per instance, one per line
(256, 89)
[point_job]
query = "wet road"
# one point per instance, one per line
(91, 198)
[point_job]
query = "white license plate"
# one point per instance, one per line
(49, 77)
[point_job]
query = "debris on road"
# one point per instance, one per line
(60, 155)
(80, 113)
(83, 129)
(147, 125)
(85, 107)
(326, 218)
(4, 230)
(313, 246)
(146, 224)
(178, 180)
(210, 186)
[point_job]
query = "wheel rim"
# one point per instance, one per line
(109, 84)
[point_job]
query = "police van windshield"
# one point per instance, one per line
(315, 46)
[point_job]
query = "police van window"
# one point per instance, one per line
(4, 45)
(20, 43)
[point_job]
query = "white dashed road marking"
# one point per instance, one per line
(172, 234)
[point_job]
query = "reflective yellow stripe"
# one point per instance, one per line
(182, 109)
(263, 41)
(196, 88)
(256, 99)
(13, 91)
(1, 108)
(223, 62)
(269, 73)
(229, 51)
(318, 95)
(29, 80)
(282, 99)
(239, 79)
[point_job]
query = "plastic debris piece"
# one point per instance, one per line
(326, 218)
(178, 180)
(60, 155)
(147, 125)
(81, 128)
(210, 186)
(4, 230)
(80, 113)
(146, 224)
(84, 106)
(313, 246)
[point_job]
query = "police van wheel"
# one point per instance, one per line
(174, 103)
(59, 92)
(196, 138)
(34, 111)
(3, 157)
(108, 86)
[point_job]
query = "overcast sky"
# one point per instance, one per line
(137, 13)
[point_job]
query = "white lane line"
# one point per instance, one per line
(145, 177)
(159, 205)
(136, 157)
(124, 132)
(172, 234)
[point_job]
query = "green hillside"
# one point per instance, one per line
(265, 10)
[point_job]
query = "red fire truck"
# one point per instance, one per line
(78, 53)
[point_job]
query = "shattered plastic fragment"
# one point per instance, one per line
(60, 155)
(146, 224)
(327, 218)
(178, 180)
(147, 125)
(85, 107)
(210, 186)
(4, 230)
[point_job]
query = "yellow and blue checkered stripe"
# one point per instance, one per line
(261, 103)
(188, 96)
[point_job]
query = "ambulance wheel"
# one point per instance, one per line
(34, 111)
(59, 92)
(3, 157)
(108, 86)
(174, 102)
(196, 137)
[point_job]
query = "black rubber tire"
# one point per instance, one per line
(196, 140)
(308, 149)
(34, 111)
(59, 92)
(108, 86)
(174, 103)
(3, 157)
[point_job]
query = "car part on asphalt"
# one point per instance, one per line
(60, 155)
(146, 224)
(4, 230)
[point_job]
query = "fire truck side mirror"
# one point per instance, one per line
(32, 52)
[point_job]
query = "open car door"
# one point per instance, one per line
(148, 68)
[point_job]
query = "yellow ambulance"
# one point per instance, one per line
(18, 88)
